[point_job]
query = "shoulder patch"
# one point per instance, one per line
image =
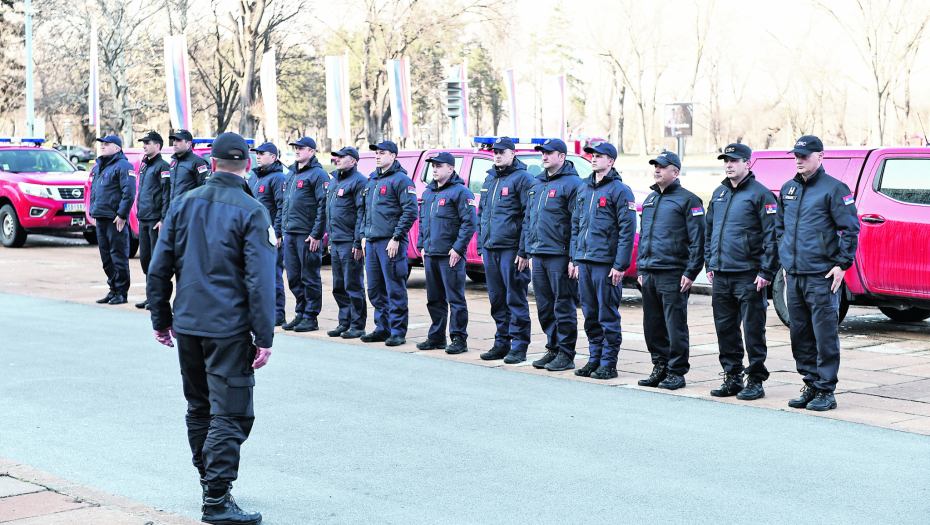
(166, 174)
(411, 189)
(326, 185)
(201, 169)
(849, 199)
(771, 208)
(132, 173)
(697, 211)
(471, 202)
(271, 236)
(632, 205)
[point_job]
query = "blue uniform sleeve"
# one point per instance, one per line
(407, 197)
(425, 204)
(768, 219)
(164, 180)
(695, 226)
(363, 210)
(127, 187)
(780, 218)
(319, 190)
(526, 204)
(469, 224)
(260, 255)
(626, 227)
(843, 210)
(277, 192)
(576, 227)
(484, 193)
(359, 214)
(158, 284)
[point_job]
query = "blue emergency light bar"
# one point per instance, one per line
(250, 142)
(16, 139)
(491, 140)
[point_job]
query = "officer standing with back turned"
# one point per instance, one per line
(220, 243)
(742, 258)
(818, 231)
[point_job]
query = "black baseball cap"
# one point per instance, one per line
(112, 139)
(386, 145)
(807, 144)
(181, 134)
(267, 148)
(152, 136)
(552, 145)
(306, 141)
(229, 146)
(735, 151)
(604, 148)
(666, 158)
(444, 157)
(503, 143)
(347, 151)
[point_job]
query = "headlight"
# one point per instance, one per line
(36, 190)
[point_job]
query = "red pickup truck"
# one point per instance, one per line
(472, 165)
(892, 190)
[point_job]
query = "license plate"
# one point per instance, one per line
(74, 206)
(77, 221)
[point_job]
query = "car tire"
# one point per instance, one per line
(75, 160)
(780, 300)
(133, 245)
(476, 276)
(91, 237)
(12, 233)
(908, 315)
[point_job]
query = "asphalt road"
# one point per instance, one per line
(354, 435)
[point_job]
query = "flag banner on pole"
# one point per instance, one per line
(560, 80)
(93, 89)
(267, 80)
(461, 71)
(399, 87)
(338, 125)
(177, 81)
(510, 84)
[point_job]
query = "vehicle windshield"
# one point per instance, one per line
(534, 164)
(34, 160)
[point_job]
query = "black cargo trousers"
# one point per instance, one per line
(218, 380)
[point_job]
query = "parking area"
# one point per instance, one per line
(884, 370)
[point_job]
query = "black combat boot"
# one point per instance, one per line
(586, 370)
(378, 336)
(672, 381)
(732, 385)
(551, 354)
(498, 352)
(222, 510)
(822, 401)
(562, 362)
(429, 344)
(458, 346)
(807, 395)
(657, 376)
(395, 340)
(604, 372)
(292, 324)
(307, 324)
(515, 356)
(106, 299)
(752, 391)
(338, 331)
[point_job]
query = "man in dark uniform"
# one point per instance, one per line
(817, 226)
(112, 191)
(390, 210)
(219, 243)
(154, 184)
(742, 258)
(501, 239)
(267, 185)
(447, 224)
(548, 235)
(603, 233)
(669, 257)
(303, 217)
(188, 170)
(344, 213)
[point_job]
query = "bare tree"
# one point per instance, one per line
(11, 63)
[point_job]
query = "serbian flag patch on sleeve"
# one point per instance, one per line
(849, 199)
(697, 211)
(633, 205)
(166, 174)
(771, 208)
(201, 169)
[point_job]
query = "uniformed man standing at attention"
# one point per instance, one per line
(188, 170)
(447, 224)
(669, 257)
(112, 192)
(818, 231)
(267, 185)
(303, 219)
(390, 210)
(344, 214)
(220, 243)
(603, 233)
(548, 237)
(154, 185)
(501, 239)
(742, 258)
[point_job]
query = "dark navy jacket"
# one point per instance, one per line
(188, 171)
(304, 207)
(154, 185)
(345, 208)
(113, 189)
(548, 219)
(672, 233)
(504, 197)
(739, 229)
(817, 225)
(219, 243)
(390, 204)
(267, 185)
(604, 222)
(447, 218)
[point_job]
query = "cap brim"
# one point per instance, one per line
(802, 151)
(730, 157)
(544, 148)
(374, 147)
(500, 147)
(294, 144)
(660, 162)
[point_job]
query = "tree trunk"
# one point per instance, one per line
(620, 118)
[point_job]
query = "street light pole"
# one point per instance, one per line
(30, 105)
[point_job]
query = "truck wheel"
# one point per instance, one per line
(12, 233)
(908, 315)
(133, 245)
(476, 276)
(91, 237)
(780, 299)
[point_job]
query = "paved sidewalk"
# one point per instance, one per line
(32, 497)
(884, 369)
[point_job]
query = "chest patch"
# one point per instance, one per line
(697, 211)
(442, 202)
(551, 193)
(341, 192)
(792, 189)
(790, 197)
(849, 199)
(261, 189)
(300, 184)
(602, 202)
(771, 208)
(383, 190)
(505, 191)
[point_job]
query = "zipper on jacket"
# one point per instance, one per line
(587, 224)
(497, 184)
(652, 226)
(726, 213)
(797, 217)
(539, 205)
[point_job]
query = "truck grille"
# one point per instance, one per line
(71, 194)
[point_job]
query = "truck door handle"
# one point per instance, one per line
(873, 219)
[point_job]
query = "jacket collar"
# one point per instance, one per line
(800, 180)
(104, 161)
(517, 164)
(275, 167)
(567, 169)
(671, 187)
(345, 174)
(182, 156)
(312, 163)
(454, 179)
(611, 175)
(395, 168)
(224, 179)
(742, 184)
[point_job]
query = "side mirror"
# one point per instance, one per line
(81, 168)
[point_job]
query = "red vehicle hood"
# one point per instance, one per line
(76, 178)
